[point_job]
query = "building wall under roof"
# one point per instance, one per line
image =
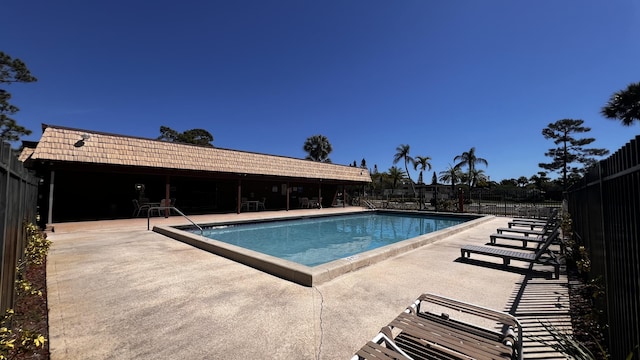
(90, 194)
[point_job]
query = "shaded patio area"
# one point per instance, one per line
(116, 290)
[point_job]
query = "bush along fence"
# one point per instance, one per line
(24, 328)
(605, 210)
(18, 206)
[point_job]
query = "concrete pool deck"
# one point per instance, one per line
(117, 290)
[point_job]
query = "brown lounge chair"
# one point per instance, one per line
(421, 332)
(543, 255)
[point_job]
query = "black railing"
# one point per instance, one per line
(528, 203)
(18, 205)
(605, 209)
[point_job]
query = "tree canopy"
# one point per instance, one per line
(422, 163)
(193, 136)
(395, 175)
(402, 153)
(540, 180)
(522, 181)
(11, 71)
(624, 105)
(451, 175)
(477, 178)
(318, 148)
(570, 150)
(469, 159)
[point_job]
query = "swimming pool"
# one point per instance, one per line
(316, 241)
(366, 242)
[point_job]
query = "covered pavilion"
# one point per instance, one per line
(91, 175)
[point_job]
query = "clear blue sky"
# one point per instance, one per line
(262, 76)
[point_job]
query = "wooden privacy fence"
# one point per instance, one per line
(605, 209)
(18, 204)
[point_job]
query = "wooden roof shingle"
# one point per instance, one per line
(25, 153)
(60, 144)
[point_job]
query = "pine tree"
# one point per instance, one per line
(570, 151)
(11, 71)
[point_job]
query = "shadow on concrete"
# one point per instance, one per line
(535, 302)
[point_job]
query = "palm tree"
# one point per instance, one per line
(624, 105)
(422, 163)
(469, 159)
(452, 174)
(478, 178)
(318, 148)
(402, 153)
(395, 175)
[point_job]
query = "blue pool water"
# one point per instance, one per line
(315, 241)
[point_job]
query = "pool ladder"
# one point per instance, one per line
(174, 209)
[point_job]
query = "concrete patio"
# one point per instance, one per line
(117, 290)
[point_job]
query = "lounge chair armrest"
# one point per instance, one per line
(511, 322)
(481, 311)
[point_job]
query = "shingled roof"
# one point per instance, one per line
(60, 144)
(25, 153)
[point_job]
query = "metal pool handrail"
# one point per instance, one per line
(176, 210)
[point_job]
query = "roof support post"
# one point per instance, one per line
(239, 197)
(320, 194)
(287, 192)
(167, 195)
(344, 195)
(51, 182)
